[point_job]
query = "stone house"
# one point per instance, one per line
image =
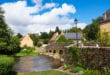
(105, 24)
(54, 37)
(70, 36)
(26, 41)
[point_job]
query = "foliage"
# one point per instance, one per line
(46, 41)
(91, 72)
(9, 44)
(49, 72)
(13, 47)
(107, 72)
(57, 30)
(6, 65)
(19, 35)
(66, 66)
(74, 29)
(35, 38)
(61, 39)
(75, 54)
(77, 69)
(27, 51)
(104, 39)
(39, 44)
(91, 31)
(44, 35)
(50, 34)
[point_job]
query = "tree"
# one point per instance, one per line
(13, 47)
(8, 43)
(91, 31)
(35, 38)
(57, 30)
(44, 35)
(19, 35)
(50, 34)
(4, 35)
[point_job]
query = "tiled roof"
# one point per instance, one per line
(73, 36)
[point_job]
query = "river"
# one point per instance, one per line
(32, 63)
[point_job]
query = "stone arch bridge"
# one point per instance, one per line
(57, 51)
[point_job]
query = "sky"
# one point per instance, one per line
(34, 16)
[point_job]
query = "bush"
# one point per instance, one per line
(107, 72)
(46, 41)
(77, 69)
(75, 54)
(6, 65)
(91, 72)
(66, 66)
(39, 44)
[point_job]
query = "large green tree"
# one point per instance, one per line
(57, 30)
(19, 35)
(35, 38)
(8, 43)
(91, 31)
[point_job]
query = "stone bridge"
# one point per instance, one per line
(56, 51)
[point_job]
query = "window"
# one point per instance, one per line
(54, 51)
(61, 52)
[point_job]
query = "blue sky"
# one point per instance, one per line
(85, 10)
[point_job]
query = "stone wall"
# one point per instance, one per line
(92, 58)
(95, 58)
(56, 50)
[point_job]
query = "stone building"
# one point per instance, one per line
(54, 37)
(26, 41)
(105, 24)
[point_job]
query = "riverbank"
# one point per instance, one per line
(49, 72)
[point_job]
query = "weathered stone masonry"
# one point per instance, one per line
(95, 58)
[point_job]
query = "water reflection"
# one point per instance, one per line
(32, 63)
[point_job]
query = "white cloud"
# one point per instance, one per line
(82, 25)
(17, 16)
(49, 5)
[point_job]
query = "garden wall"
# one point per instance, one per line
(95, 58)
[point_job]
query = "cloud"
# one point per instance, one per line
(49, 5)
(81, 25)
(18, 16)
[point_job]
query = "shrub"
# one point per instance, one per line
(46, 41)
(61, 39)
(107, 72)
(91, 72)
(75, 54)
(77, 69)
(39, 44)
(6, 65)
(66, 66)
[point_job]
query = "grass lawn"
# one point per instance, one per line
(50, 72)
(28, 51)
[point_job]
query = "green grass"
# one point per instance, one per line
(6, 64)
(27, 51)
(50, 72)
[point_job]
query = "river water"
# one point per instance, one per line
(32, 63)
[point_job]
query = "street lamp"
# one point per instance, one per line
(76, 21)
